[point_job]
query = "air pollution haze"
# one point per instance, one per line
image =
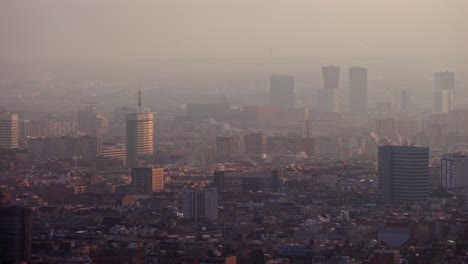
(153, 29)
(234, 131)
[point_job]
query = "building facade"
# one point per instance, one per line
(403, 173)
(147, 180)
(9, 134)
(139, 137)
(454, 171)
(199, 204)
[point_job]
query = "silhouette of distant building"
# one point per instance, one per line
(331, 77)
(282, 91)
(357, 90)
(444, 89)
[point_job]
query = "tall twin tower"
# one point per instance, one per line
(282, 90)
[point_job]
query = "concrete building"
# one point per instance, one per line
(246, 181)
(282, 91)
(200, 204)
(357, 96)
(454, 171)
(403, 173)
(9, 134)
(331, 77)
(444, 89)
(15, 234)
(255, 143)
(147, 180)
(140, 137)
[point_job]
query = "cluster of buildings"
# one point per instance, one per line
(214, 183)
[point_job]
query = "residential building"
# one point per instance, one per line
(454, 171)
(147, 180)
(199, 204)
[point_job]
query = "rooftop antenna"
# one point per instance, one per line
(139, 97)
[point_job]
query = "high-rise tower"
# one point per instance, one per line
(331, 77)
(140, 135)
(357, 90)
(444, 92)
(282, 91)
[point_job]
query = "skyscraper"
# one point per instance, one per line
(140, 136)
(282, 91)
(403, 174)
(147, 180)
(15, 234)
(200, 204)
(444, 89)
(357, 90)
(331, 77)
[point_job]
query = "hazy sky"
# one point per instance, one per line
(134, 29)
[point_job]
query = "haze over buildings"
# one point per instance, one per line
(272, 132)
